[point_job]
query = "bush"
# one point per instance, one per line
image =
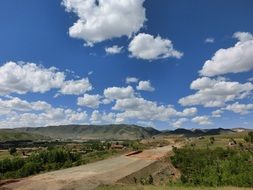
(43, 161)
(218, 167)
(12, 151)
(147, 181)
(30, 168)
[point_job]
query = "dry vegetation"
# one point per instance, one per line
(170, 187)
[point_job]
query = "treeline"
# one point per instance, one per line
(42, 161)
(218, 167)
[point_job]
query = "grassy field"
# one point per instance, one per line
(5, 154)
(141, 187)
(219, 140)
(8, 135)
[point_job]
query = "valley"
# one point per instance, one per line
(151, 157)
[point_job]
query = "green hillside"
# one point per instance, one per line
(130, 132)
(13, 135)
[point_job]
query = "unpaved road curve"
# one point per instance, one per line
(89, 176)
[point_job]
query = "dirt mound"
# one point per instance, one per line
(161, 172)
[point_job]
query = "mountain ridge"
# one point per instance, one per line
(121, 131)
(113, 131)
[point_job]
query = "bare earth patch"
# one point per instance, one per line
(91, 175)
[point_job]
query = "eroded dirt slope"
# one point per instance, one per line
(91, 175)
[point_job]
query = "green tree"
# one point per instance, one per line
(250, 135)
(12, 151)
(212, 139)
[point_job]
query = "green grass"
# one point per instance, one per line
(169, 187)
(8, 135)
(220, 140)
(99, 155)
(5, 154)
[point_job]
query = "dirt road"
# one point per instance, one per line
(91, 175)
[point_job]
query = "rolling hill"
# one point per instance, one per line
(13, 135)
(117, 132)
(198, 132)
(122, 131)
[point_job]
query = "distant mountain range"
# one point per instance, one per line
(119, 132)
(203, 132)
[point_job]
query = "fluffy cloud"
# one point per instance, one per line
(99, 118)
(178, 123)
(202, 120)
(28, 77)
(217, 113)
(148, 47)
(16, 104)
(91, 101)
(76, 87)
(119, 92)
(188, 112)
(100, 20)
(23, 77)
(131, 106)
(235, 59)
(131, 80)
(145, 86)
(240, 108)
(243, 36)
(113, 50)
(57, 116)
(209, 40)
(21, 113)
(216, 92)
(139, 108)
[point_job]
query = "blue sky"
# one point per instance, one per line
(67, 62)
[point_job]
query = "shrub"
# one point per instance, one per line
(42, 161)
(12, 151)
(218, 167)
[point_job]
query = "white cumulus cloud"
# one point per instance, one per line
(178, 123)
(148, 47)
(16, 112)
(217, 113)
(100, 20)
(99, 118)
(119, 92)
(131, 80)
(113, 50)
(240, 108)
(145, 86)
(216, 92)
(235, 59)
(202, 120)
(21, 78)
(91, 101)
(76, 87)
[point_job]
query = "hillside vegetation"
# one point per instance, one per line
(12, 135)
(171, 187)
(217, 167)
(129, 132)
(199, 132)
(100, 132)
